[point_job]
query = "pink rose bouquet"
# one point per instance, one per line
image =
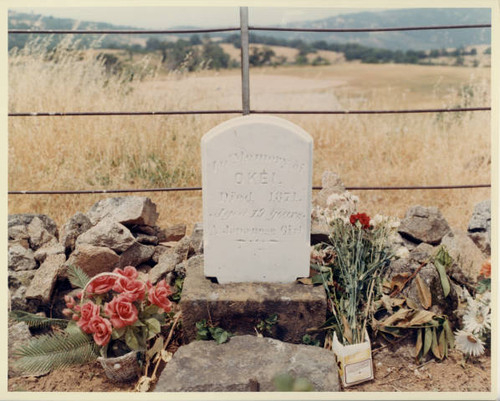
(120, 311)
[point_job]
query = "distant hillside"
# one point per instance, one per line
(402, 40)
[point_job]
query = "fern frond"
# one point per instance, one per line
(54, 351)
(36, 321)
(77, 276)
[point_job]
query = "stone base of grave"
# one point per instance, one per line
(239, 307)
(247, 363)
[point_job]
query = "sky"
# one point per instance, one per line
(167, 17)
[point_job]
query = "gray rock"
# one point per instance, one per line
(18, 300)
(51, 249)
(319, 232)
(429, 274)
(44, 280)
(107, 233)
(21, 258)
(246, 363)
(136, 254)
(127, 210)
(93, 259)
(196, 240)
(19, 235)
(20, 278)
(175, 233)
(465, 253)
(424, 224)
(25, 220)
(19, 334)
(39, 236)
(166, 264)
(182, 248)
(74, 227)
(479, 229)
(331, 184)
(239, 307)
(146, 239)
(160, 250)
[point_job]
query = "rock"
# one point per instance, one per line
(246, 363)
(93, 259)
(19, 235)
(175, 233)
(430, 276)
(160, 250)
(196, 240)
(465, 253)
(18, 300)
(239, 307)
(53, 249)
(74, 227)
(18, 283)
(319, 232)
(136, 254)
(182, 248)
(107, 233)
(19, 334)
(166, 264)
(25, 220)
(39, 236)
(127, 210)
(479, 229)
(424, 224)
(21, 258)
(42, 284)
(331, 184)
(146, 239)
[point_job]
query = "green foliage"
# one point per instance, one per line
(205, 332)
(286, 382)
(77, 277)
(351, 278)
(443, 262)
(308, 340)
(36, 321)
(266, 325)
(178, 284)
(55, 351)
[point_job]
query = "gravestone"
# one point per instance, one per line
(257, 179)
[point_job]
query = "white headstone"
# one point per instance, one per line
(257, 179)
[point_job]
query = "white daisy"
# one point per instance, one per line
(468, 343)
(477, 317)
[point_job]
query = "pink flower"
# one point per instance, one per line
(121, 311)
(159, 295)
(128, 271)
(132, 289)
(101, 328)
(101, 285)
(67, 312)
(88, 311)
(70, 301)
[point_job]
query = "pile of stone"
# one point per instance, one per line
(423, 230)
(115, 232)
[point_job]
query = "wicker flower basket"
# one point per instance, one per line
(122, 368)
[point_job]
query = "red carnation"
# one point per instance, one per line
(363, 219)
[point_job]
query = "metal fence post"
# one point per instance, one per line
(245, 71)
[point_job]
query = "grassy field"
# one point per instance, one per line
(70, 153)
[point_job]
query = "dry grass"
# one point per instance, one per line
(70, 153)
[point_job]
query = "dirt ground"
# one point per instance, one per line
(393, 373)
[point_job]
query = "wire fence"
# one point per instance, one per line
(244, 29)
